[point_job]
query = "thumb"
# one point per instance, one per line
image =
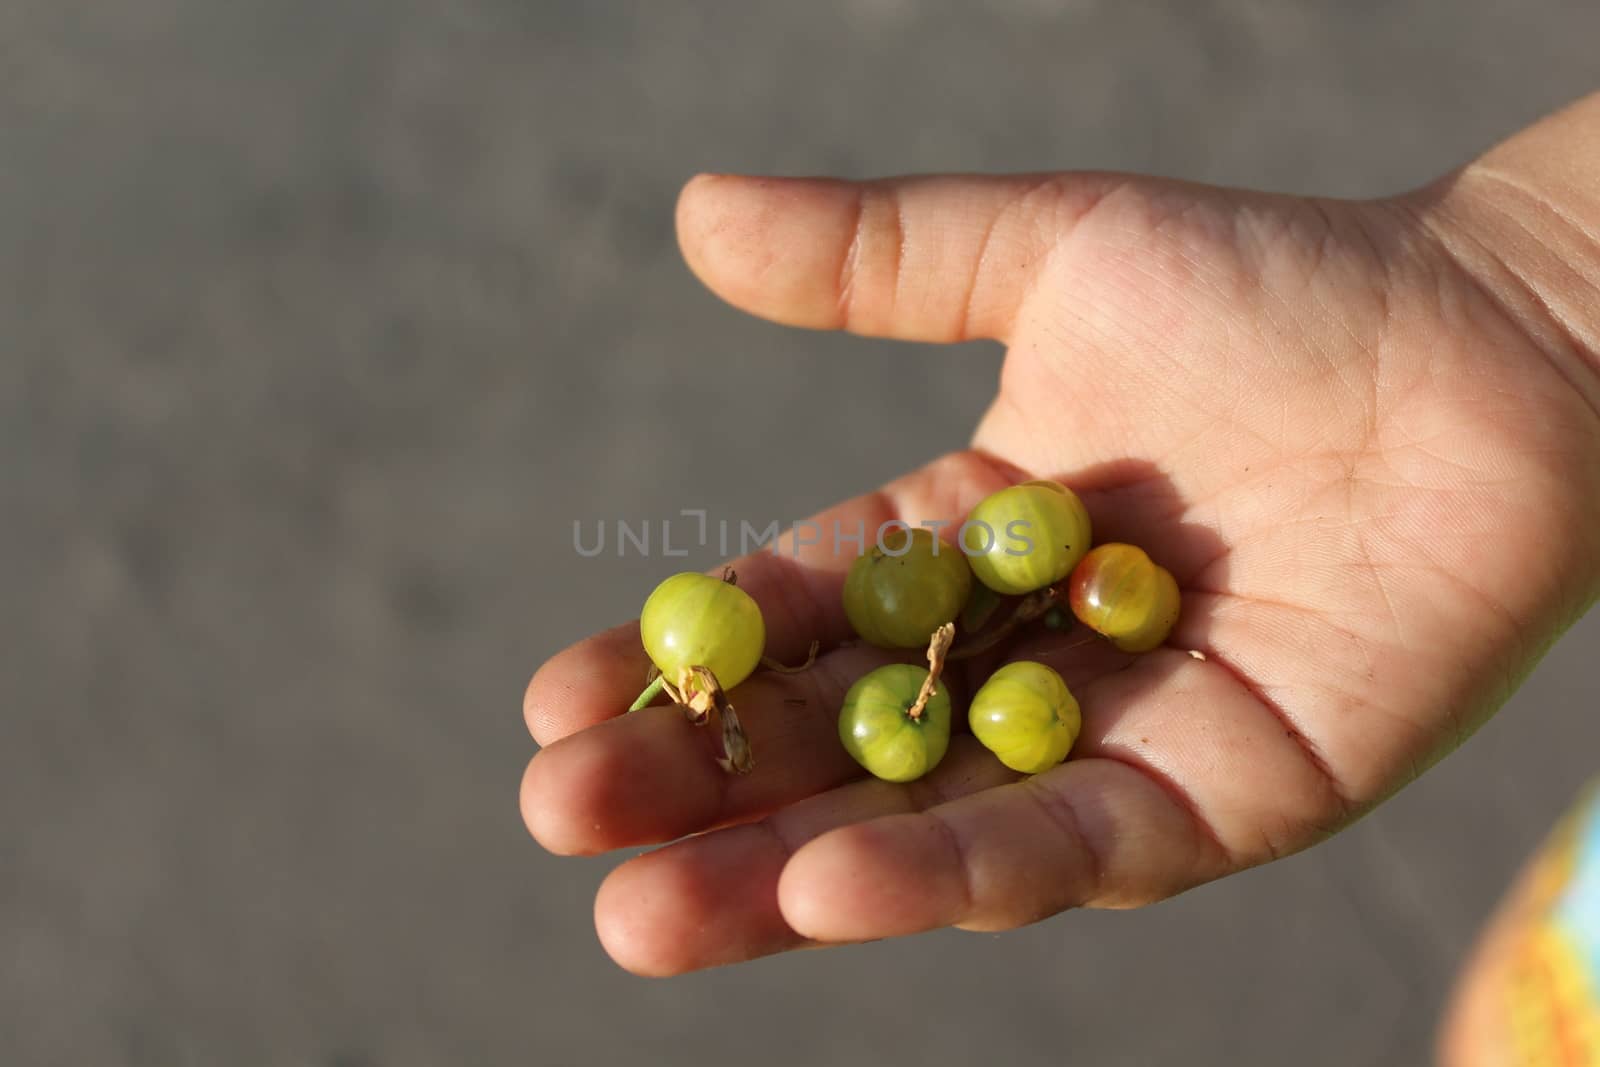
(944, 259)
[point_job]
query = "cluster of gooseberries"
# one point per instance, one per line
(1026, 546)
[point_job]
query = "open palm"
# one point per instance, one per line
(1374, 482)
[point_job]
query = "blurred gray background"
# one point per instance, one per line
(320, 322)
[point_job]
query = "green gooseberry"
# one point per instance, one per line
(695, 620)
(1026, 716)
(905, 588)
(877, 729)
(1026, 537)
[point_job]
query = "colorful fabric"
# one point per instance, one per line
(1554, 980)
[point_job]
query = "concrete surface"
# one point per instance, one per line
(321, 322)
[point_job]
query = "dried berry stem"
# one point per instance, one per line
(701, 696)
(774, 665)
(736, 756)
(1080, 642)
(938, 647)
(1030, 607)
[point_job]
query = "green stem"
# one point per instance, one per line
(649, 693)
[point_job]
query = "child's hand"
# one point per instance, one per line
(1365, 438)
